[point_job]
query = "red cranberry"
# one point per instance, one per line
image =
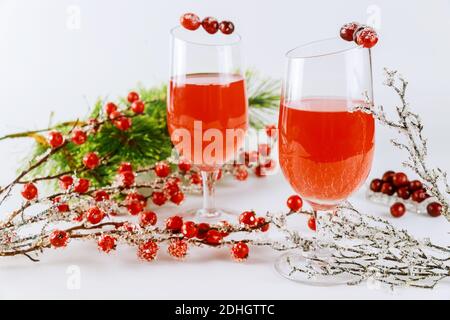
(226, 27)
(110, 107)
(133, 96)
(106, 243)
(190, 21)
(29, 191)
(400, 179)
(202, 230)
(434, 209)
(248, 218)
(94, 215)
(177, 198)
(387, 188)
(138, 107)
(240, 251)
(66, 182)
(59, 239)
(348, 30)
(189, 229)
(213, 237)
(174, 223)
(295, 203)
(159, 198)
(55, 139)
(404, 193)
(387, 176)
(210, 24)
(375, 185)
(147, 218)
(82, 186)
(125, 167)
(415, 185)
(398, 209)
(79, 137)
(312, 223)
(418, 196)
(366, 37)
(91, 160)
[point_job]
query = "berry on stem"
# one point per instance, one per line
(240, 251)
(174, 224)
(82, 186)
(123, 123)
(101, 195)
(127, 178)
(106, 243)
(177, 198)
(133, 96)
(59, 239)
(65, 182)
(262, 224)
(202, 230)
(159, 198)
(55, 139)
(241, 173)
(213, 237)
(248, 218)
(177, 248)
(398, 209)
(138, 107)
(91, 160)
(134, 207)
(147, 218)
(189, 229)
(211, 25)
(94, 215)
(190, 21)
(226, 27)
(110, 107)
(148, 250)
(312, 223)
(184, 165)
(295, 203)
(29, 191)
(79, 137)
(125, 167)
(162, 169)
(60, 206)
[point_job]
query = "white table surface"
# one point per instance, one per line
(207, 273)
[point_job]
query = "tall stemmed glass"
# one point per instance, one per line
(207, 104)
(325, 147)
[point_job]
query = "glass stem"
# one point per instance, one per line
(209, 197)
(321, 217)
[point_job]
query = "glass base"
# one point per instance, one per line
(211, 216)
(298, 267)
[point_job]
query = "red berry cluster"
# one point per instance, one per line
(397, 183)
(192, 22)
(363, 35)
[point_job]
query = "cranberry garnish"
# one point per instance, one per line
(375, 185)
(190, 21)
(398, 209)
(348, 30)
(226, 27)
(366, 37)
(387, 188)
(211, 25)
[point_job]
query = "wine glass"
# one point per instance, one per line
(325, 146)
(207, 108)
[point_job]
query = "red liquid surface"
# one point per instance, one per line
(326, 152)
(212, 109)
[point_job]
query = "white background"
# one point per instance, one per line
(60, 56)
